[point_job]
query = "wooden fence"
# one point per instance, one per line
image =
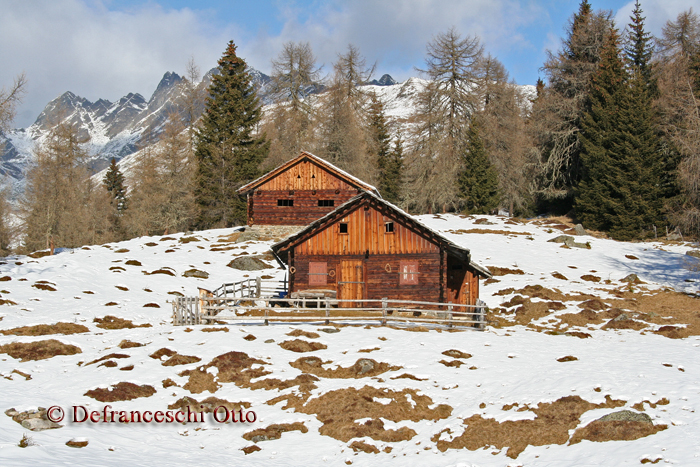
(244, 307)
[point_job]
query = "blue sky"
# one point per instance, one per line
(108, 48)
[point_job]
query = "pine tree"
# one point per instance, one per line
(477, 183)
(228, 151)
(379, 140)
(639, 49)
(619, 192)
(391, 185)
(114, 183)
(556, 114)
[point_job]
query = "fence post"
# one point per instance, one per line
(267, 323)
(449, 313)
(328, 310)
(258, 286)
(384, 305)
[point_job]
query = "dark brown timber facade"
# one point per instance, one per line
(370, 249)
(299, 192)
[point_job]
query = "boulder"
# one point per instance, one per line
(39, 424)
(196, 273)
(631, 278)
(626, 416)
(568, 240)
(248, 263)
(580, 230)
(562, 239)
(365, 365)
(693, 253)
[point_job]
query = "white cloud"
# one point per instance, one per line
(96, 53)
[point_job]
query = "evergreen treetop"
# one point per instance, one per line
(228, 152)
(477, 183)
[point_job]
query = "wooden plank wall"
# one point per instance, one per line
(366, 234)
(263, 209)
(306, 183)
(380, 281)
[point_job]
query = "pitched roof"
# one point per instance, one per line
(350, 205)
(352, 180)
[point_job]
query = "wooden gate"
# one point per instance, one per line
(352, 282)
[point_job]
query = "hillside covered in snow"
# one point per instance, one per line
(576, 366)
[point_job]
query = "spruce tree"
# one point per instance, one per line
(228, 151)
(477, 183)
(619, 192)
(391, 184)
(114, 183)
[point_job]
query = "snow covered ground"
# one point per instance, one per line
(416, 414)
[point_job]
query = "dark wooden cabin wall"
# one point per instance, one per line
(380, 281)
(306, 183)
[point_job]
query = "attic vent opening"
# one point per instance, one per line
(326, 202)
(389, 227)
(343, 227)
(285, 202)
(298, 176)
(313, 175)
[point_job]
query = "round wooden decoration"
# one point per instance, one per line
(331, 273)
(292, 270)
(388, 267)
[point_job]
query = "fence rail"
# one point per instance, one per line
(246, 307)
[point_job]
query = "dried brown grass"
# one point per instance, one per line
(234, 367)
(550, 426)
(274, 431)
(121, 392)
(207, 405)
(45, 329)
(339, 409)
(42, 286)
(39, 350)
(456, 354)
(640, 405)
(300, 346)
(219, 329)
(615, 430)
(300, 333)
(112, 322)
(178, 359)
(409, 376)
(358, 446)
(363, 368)
(127, 344)
(250, 337)
(496, 271)
(108, 357)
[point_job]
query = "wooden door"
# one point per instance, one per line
(352, 282)
(457, 282)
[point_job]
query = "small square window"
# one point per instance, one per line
(285, 202)
(389, 227)
(343, 227)
(408, 272)
(326, 202)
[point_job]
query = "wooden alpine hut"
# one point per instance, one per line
(300, 191)
(369, 249)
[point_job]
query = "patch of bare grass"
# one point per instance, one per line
(615, 430)
(301, 333)
(218, 329)
(250, 337)
(298, 345)
(207, 405)
(39, 350)
(107, 357)
(44, 286)
(165, 271)
(178, 359)
(273, 431)
(45, 329)
(339, 409)
(364, 367)
(234, 367)
(121, 392)
(409, 376)
(112, 322)
(456, 354)
(127, 344)
(550, 426)
(496, 271)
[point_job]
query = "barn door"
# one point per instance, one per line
(352, 282)
(457, 281)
